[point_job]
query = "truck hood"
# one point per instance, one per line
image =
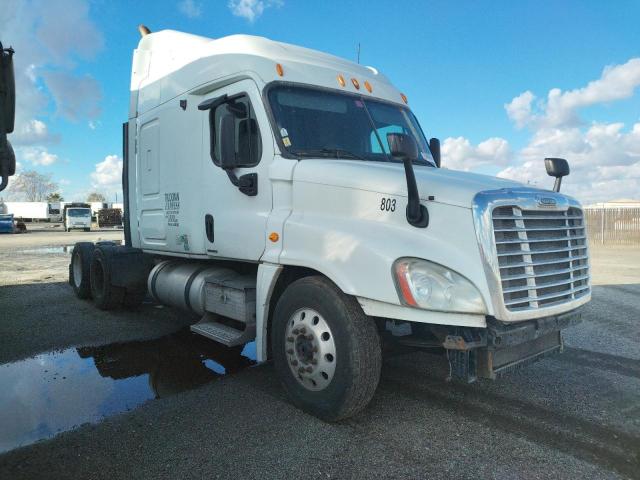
(447, 186)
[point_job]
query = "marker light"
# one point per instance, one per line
(274, 237)
(341, 81)
(368, 86)
(430, 286)
(279, 69)
(355, 83)
(404, 98)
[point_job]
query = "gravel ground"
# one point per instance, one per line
(571, 416)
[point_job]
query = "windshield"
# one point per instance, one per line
(79, 212)
(323, 123)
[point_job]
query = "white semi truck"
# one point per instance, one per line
(289, 197)
(76, 216)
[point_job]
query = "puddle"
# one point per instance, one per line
(57, 391)
(47, 250)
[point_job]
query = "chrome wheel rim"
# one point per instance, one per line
(310, 349)
(77, 270)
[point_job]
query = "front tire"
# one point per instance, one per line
(325, 349)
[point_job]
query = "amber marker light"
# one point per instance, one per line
(404, 98)
(274, 237)
(368, 86)
(279, 69)
(355, 83)
(402, 274)
(341, 81)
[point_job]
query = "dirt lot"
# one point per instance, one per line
(129, 381)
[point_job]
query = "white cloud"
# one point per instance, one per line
(107, 176)
(48, 37)
(38, 156)
(604, 160)
(190, 8)
(519, 109)
(75, 97)
(252, 9)
(32, 132)
(617, 82)
(459, 154)
(604, 157)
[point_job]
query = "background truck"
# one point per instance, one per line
(76, 216)
(288, 197)
(31, 211)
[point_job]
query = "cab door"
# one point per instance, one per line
(234, 217)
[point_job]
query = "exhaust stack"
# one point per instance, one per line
(144, 30)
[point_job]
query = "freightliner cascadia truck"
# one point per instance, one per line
(290, 197)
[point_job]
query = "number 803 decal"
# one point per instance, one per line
(388, 204)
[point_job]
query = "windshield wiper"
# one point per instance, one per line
(330, 152)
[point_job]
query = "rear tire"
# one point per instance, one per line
(80, 269)
(325, 349)
(105, 295)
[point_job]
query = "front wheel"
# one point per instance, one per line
(325, 349)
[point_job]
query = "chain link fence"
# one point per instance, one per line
(613, 226)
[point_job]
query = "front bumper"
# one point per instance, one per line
(509, 346)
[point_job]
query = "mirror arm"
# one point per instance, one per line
(556, 185)
(417, 214)
(247, 184)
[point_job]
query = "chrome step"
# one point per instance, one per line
(222, 333)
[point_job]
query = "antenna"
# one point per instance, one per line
(358, 52)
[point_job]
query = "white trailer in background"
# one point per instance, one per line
(96, 207)
(291, 198)
(30, 211)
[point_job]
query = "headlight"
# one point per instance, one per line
(427, 285)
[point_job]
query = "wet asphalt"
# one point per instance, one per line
(576, 415)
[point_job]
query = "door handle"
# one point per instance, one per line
(208, 227)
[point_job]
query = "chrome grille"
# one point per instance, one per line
(542, 256)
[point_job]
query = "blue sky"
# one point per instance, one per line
(460, 64)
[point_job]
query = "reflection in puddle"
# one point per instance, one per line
(54, 392)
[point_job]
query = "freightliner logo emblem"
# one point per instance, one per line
(547, 202)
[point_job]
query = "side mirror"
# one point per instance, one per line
(402, 146)
(228, 160)
(558, 168)
(434, 146)
(7, 162)
(7, 115)
(7, 90)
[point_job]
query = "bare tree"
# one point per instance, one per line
(55, 197)
(95, 197)
(35, 187)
